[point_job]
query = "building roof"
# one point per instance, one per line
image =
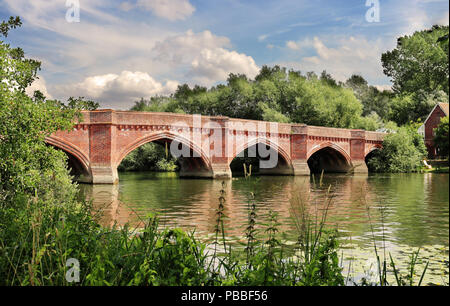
(443, 106)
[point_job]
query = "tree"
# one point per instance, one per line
(405, 108)
(441, 137)
(370, 123)
(81, 103)
(402, 151)
(27, 164)
(36, 190)
(12, 23)
(317, 103)
(419, 62)
(358, 84)
(328, 79)
(154, 104)
(275, 95)
(373, 100)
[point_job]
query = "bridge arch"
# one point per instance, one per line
(372, 149)
(190, 166)
(78, 162)
(283, 165)
(371, 153)
(329, 157)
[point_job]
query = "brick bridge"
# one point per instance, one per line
(101, 140)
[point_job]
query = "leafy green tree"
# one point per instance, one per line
(441, 137)
(402, 151)
(154, 104)
(407, 108)
(12, 23)
(36, 190)
(328, 79)
(402, 109)
(359, 86)
(272, 115)
(26, 162)
(238, 100)
(317, 103)
(369, 123)
(372, 99)
(419, 62)
(81, 103)
(274, 95)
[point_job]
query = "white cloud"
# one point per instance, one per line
(350, 55)
(103, 44)
(301, 45)
(100, 43)
(444, 19)
(383, 87)
(204, 57)
(38, 84)
(292, 45)
(417, 18)
(263, 37)
(181, 48)
(170, 9)
(126, 6)
(213, 65)
(119, 91)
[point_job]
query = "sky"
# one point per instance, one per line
(118, 51)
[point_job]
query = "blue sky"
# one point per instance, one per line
(122, 50)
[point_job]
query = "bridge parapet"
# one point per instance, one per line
(375, 136)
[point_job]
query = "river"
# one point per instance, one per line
(399, 212)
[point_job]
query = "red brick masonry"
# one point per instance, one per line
(104, 137)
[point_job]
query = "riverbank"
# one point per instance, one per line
(436, 170)
(436, 166)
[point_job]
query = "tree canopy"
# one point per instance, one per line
(26, 162)
(274, 95)
(419, 62)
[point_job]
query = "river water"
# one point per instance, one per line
(399, 213)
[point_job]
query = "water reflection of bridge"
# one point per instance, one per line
(279, 194)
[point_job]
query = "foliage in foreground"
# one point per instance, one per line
(37, 243)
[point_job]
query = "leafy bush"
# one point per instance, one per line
(402, 151)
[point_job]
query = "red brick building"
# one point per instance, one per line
(433, 120)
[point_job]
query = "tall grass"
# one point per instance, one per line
(386, 265)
